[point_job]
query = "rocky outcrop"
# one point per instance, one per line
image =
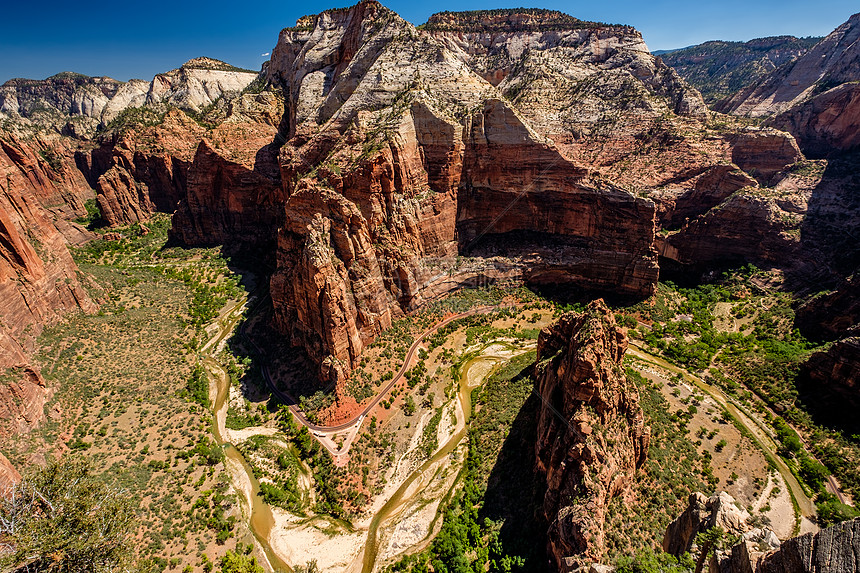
(836, 373)
(702, 514)
(400, 158)
(831, 314)
(42, 166)
(591, 437)
(142, 170)
(719, 511)
(9, 476)
(675, 207)
(832, 550)
(764, 152)
(573, 81)
(77, 105)
(753, 224)
(719, 69)
(828, 122)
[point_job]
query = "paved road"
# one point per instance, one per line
(324, 431)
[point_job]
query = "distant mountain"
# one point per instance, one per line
(719, 69)
(76, 104)
(816, 97)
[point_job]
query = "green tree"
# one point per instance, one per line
(235, 562)
(709, 541)
(64, 518)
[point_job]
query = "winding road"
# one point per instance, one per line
(323, 433)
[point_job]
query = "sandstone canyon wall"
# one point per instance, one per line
(815, 98)
(592, 438)
(39, 281)
(78, 105)
(399, 158)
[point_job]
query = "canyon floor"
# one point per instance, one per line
(163, 437)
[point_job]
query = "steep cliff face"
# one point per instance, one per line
(830, 315)
(764, 152)
(538, 59)
(575, 82)
(834, 60)
(233, 192)
(38, 279)
(834, 375)
(752, 224)
(591, 434)
(720, 69)
(142, 170)
(77, 105)
(827, 122)
(832, 550)
(395, 166)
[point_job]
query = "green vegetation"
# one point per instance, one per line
(742, 337)
(719, 69)
(327, 478)
(672, 471)
(94, 214)
(64, 518)
(240, 561)
(133, 395)
(489, 21)
(198, 386)
(277, 468)
(213, 64)
(52, 158)
(650, 561)
(490, 522)
(136, 117)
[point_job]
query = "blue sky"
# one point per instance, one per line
(132, 39)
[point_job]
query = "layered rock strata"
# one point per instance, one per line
(832, 550)
(720, 69)
(816, 97)
(834, 60)
(720, 510)
(399, 158)
(38, 279)
(591, 433)
(834, 374)
(77, 105)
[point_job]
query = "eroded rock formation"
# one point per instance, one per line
(832, 550)
(721, 511)
(816, 97)
(720, 69)
(834, 375)
(591, 433)
(38, 279)
(399, 158)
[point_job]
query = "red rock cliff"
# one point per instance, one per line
(38, 279)
(401, 158)
(591, 432)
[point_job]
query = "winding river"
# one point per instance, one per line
(261, 519)
(400, 497)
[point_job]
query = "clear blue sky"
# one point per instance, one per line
(136, 40)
